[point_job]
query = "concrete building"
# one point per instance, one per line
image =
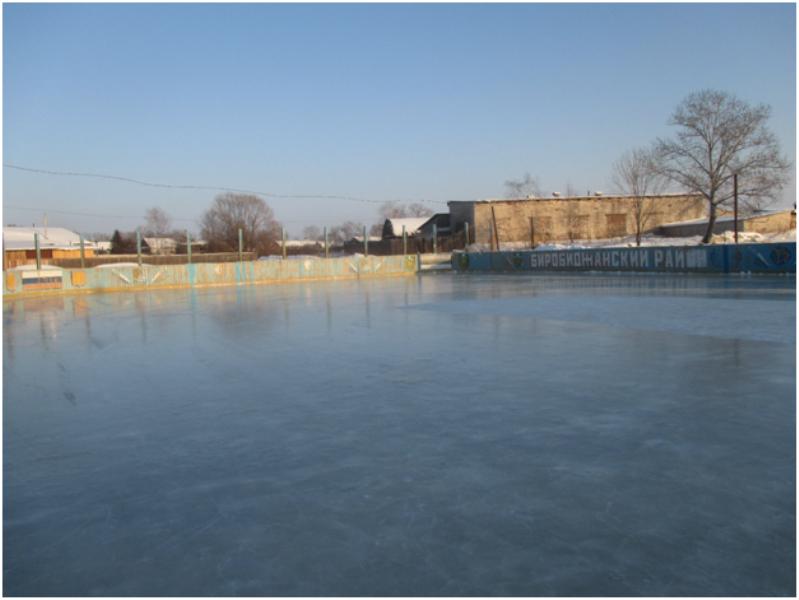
(54, 242)
(565, 218)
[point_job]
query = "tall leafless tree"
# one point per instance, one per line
(231, 212)
(396, 210)
(719, 135)
(522, 188)
(636, 174)
(156, 222)
(312, 232)
(345, 232)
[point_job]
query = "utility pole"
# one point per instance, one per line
(532, 233)
(735, 196)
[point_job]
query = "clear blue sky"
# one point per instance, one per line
(416, 102)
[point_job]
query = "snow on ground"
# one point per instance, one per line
(727, 237)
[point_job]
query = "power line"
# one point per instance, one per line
(104, 216)
(201, 187)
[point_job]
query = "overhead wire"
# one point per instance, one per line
(202, 187)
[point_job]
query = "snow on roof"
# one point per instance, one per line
(21, 238)
(300, 243)
(412, 225)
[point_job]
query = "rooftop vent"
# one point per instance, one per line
(597, 193)
(556, 194)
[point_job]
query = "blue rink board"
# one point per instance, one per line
(728, 258)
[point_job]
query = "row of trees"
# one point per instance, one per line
(717, 137)
(261, 232)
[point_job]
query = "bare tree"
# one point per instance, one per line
(636, 174)
(345, 232)
(156, 222)
(231, 212)
(719, 135)
(419, 210)
(396, 210)
(312, 232)
(522, 188)
(571, 191)
(575, 222)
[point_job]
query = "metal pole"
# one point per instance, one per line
(466, 233)
(532, 233)
(365, 242)
(241, 244)
(735, 195)
(82, 253)
(188, 247)
(284, 244)
(327, 245)
(404, 241)
(38, 251)
(496, 231)
(138, 246)
(435, 239)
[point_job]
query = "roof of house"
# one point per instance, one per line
(596, 196)
(412, 225)
(21, 238)
(301, 243)
(160, 242)
(441, 220)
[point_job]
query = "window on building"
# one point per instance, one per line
(616, 225)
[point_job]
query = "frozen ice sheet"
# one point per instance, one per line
(442, 435)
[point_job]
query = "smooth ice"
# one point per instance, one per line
(436, 435)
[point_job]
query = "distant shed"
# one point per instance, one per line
(19, 247)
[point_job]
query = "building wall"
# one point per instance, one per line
(775, 223)
(559, 219)
(16, 258)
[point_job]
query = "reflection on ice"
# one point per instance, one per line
(441, 435)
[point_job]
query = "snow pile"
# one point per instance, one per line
(745, 237)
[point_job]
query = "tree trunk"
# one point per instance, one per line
(711, 221)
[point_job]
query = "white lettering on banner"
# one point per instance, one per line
(658, 258)
(669, 259)
(679, 259)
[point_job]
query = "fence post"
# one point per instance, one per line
(38, 251)
(365, 242)
(138, 246)
(284, 244)
(435, 239)
(404, 241)
(241, 244)
(82, 253)
(327, 245)
(188, 247)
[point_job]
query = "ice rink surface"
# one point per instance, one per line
(442, 435)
